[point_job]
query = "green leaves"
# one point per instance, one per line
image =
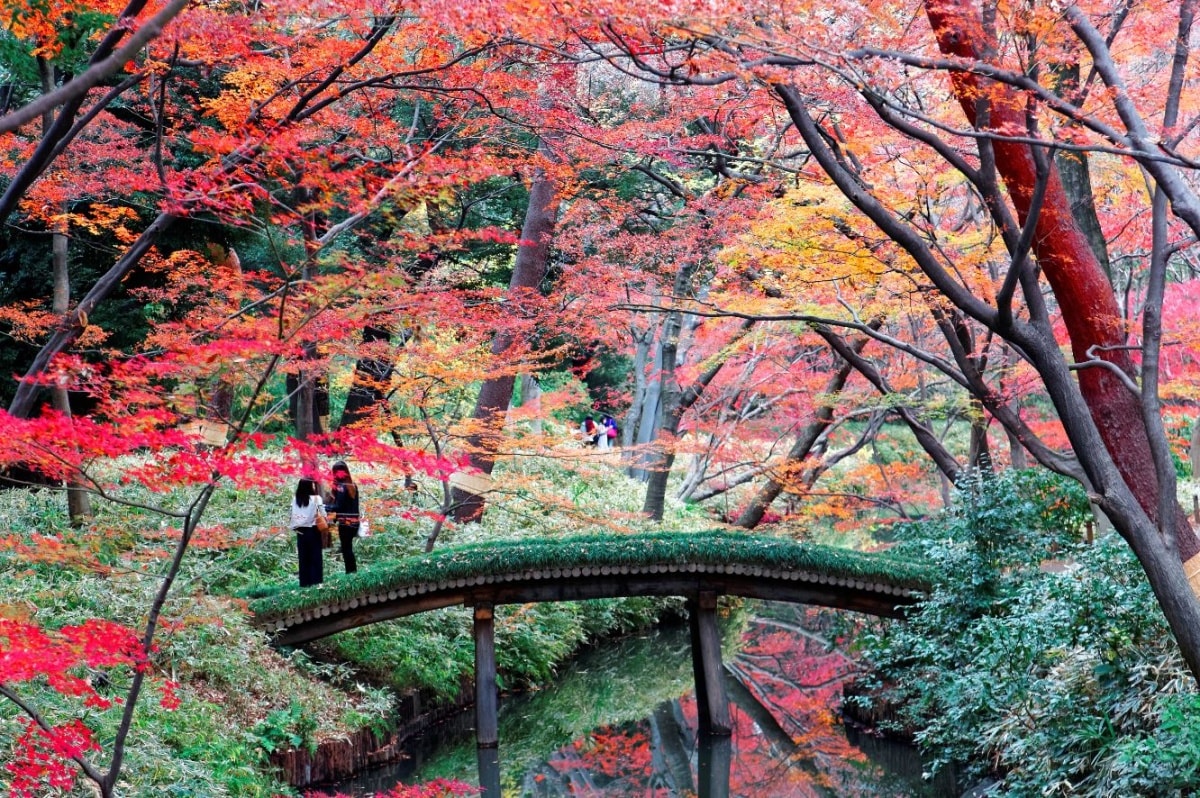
(287, 728)
(1058, 681)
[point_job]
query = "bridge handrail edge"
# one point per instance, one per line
(714, 547)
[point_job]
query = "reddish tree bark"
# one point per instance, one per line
(533, 255)
(1089, 308)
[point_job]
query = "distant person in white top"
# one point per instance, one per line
(306, 507)
(610, 429)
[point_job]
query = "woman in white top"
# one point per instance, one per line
(306, 507)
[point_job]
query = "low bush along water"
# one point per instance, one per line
(1038, 660)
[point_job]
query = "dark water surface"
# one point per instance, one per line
(621, 721)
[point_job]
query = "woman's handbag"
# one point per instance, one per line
(326, 532)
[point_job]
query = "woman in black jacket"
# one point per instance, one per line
(343, 507)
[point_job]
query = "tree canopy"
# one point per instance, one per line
(779, 237)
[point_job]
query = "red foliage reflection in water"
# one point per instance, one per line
(787, 738)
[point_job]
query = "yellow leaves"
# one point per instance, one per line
(104, 220)
(248, 88)
(812, 239)
(184, 265)
(28, 322)
(37, 23)
(41, 22)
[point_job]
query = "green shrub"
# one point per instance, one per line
(285, 729)
(1060, 681)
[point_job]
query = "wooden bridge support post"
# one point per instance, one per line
(711, 702)
(487, 731)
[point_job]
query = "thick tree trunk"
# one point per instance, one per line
(1194, 448)
(1157, 555)
(1089, 308)
(1076, 175)
(661, 453)
(531, 398)
(305, 417)
(308, 400)
(306, 412)
(979, 453)
(643, 340)
(1116, 450)
(645, 412)
(533, 256)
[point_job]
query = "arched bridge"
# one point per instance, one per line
(595, 566)
(699, 566)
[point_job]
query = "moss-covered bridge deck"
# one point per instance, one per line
(595, 566)
(699, 566)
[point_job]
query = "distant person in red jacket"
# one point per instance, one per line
(590, 431)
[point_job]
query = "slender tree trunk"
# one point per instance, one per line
(979, 454)
(1017, 453)
(533, 257)
(972, 364)
(1194, 449)
(675, 400)
(925, 436)
(79, 502)
(752, 515)
(24, 401)
(698, 464)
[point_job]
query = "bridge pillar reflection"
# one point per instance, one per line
(487, 733)
(714, 761)
(711, 701)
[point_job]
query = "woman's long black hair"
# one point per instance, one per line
(339, 468)
(304, 489)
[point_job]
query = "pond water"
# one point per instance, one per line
(622, 720)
